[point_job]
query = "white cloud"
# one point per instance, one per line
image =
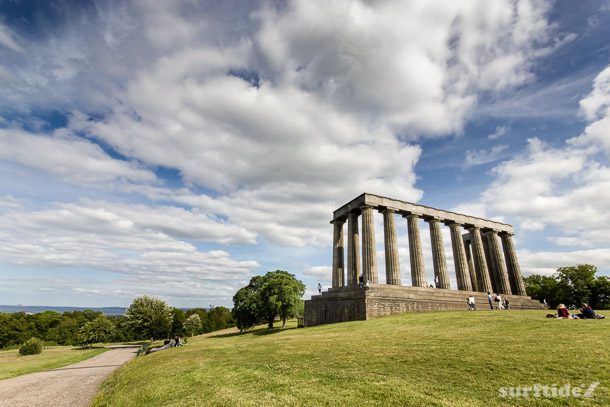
(478, 157)
(566, 188)
(8, 40)
(416, 66)
(69, 157)
(499, 132)
(131, 240)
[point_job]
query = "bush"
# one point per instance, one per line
(32, 346)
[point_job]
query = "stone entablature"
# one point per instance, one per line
(480, 264)
(425, 212)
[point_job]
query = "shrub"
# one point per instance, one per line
(32, 346)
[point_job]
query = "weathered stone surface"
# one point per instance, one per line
(354, 303)
(416, 257)
(392, 263)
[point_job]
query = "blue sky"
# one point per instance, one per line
(176, 149)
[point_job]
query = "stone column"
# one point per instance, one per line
(338, 250)
(438, 254)
(480, 263)
(369, 248)
(353, 249)
(459, 257)
(471, 270)
(502, 280)
(418, 274)
(514, 271)
(392, 262)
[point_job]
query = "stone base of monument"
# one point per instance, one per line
(355, 304)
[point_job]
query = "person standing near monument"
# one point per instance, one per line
(319, 288)
(471, 304)
(491, 304)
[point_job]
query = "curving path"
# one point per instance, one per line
(69, 386)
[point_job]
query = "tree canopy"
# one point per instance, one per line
(276, 294)
(100, 329)
(150, 317)
(572, 285)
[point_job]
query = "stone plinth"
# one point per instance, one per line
(344, 304)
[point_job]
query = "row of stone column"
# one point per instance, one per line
(471, 268)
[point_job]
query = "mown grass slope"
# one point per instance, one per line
(417, 359)
(13, 364)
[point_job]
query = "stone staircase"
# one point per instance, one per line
(354, 303)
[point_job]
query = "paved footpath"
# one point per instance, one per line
(69, 386)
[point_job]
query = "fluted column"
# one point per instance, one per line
(502, 280)
(459, 258)
(418, 274)
(353, 249)
(338, 249)
(369, 248)
(480, 263)
(471, 271)
(438, 254)
(392, 262)
(512, 265)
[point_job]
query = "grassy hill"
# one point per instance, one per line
(12, 364)
(417, 359)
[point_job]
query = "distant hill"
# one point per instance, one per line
(34, 309)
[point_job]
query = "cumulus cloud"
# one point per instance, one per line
(416, 66)
(68, 156)
(137, 243)
(563, 188)
(271, 116)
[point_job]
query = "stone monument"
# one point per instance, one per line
(483, 254)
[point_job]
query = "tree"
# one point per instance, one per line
(99, 330)
(575, 283)
(178, 320)
(192, 324)
(277, 293)
(543, 288)
(246, 305)
(600, 293)
(571, 285)
(150, 317)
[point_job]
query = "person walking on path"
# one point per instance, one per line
(491, 304)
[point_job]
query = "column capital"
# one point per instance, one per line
(408, 215)
(353, 214)
(338, 221)
(432, 219)
(505, 233)
(384, 209)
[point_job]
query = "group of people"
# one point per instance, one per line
(586, 312)
(499, 302)
(168, 343)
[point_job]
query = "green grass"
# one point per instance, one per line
(417, 359)
(12, 364)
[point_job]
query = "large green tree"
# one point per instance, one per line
(572, 285)
(276, 294)
(150, 317)
(99, 330)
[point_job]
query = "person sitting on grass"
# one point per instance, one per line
(563, 313)
(177, 341)
(586, 312)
